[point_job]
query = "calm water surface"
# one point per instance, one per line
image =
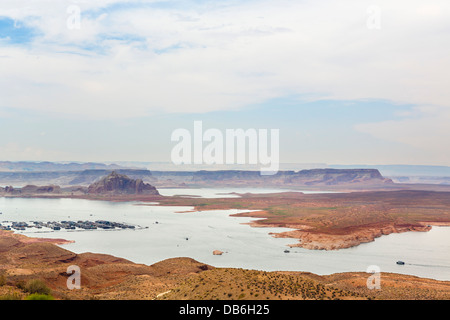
(168, 232)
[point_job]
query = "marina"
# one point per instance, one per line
(68, 225)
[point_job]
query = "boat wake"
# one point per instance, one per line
(427, 265)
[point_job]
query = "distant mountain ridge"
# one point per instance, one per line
(111, 184)
(313, 177)
(385, 170)
(225, 178)
(28, 166)
(66, 178)
(403, 170)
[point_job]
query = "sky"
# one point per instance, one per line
(345, 82)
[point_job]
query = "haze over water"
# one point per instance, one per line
(169, 232)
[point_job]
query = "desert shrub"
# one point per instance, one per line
(10, 296)
(37, 296)
(2, 280)
(37, 286)
(21, 284)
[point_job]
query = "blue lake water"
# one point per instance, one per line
(168, 232)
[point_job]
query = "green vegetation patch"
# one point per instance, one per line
(37, 296)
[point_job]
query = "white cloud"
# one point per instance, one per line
(146, 60)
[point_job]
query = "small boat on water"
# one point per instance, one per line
(286, 251)
(400, 263)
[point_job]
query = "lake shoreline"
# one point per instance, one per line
(310, 236)
(197, 233)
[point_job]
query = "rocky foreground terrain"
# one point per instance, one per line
(24, 260)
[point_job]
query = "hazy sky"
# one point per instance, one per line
(345, 81)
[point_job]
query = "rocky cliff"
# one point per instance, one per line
(314, 177)
(115, 183)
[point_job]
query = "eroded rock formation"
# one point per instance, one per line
(115, 183)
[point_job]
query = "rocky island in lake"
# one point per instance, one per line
(116, 184)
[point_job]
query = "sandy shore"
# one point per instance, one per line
(27, 240)
(323, 241)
